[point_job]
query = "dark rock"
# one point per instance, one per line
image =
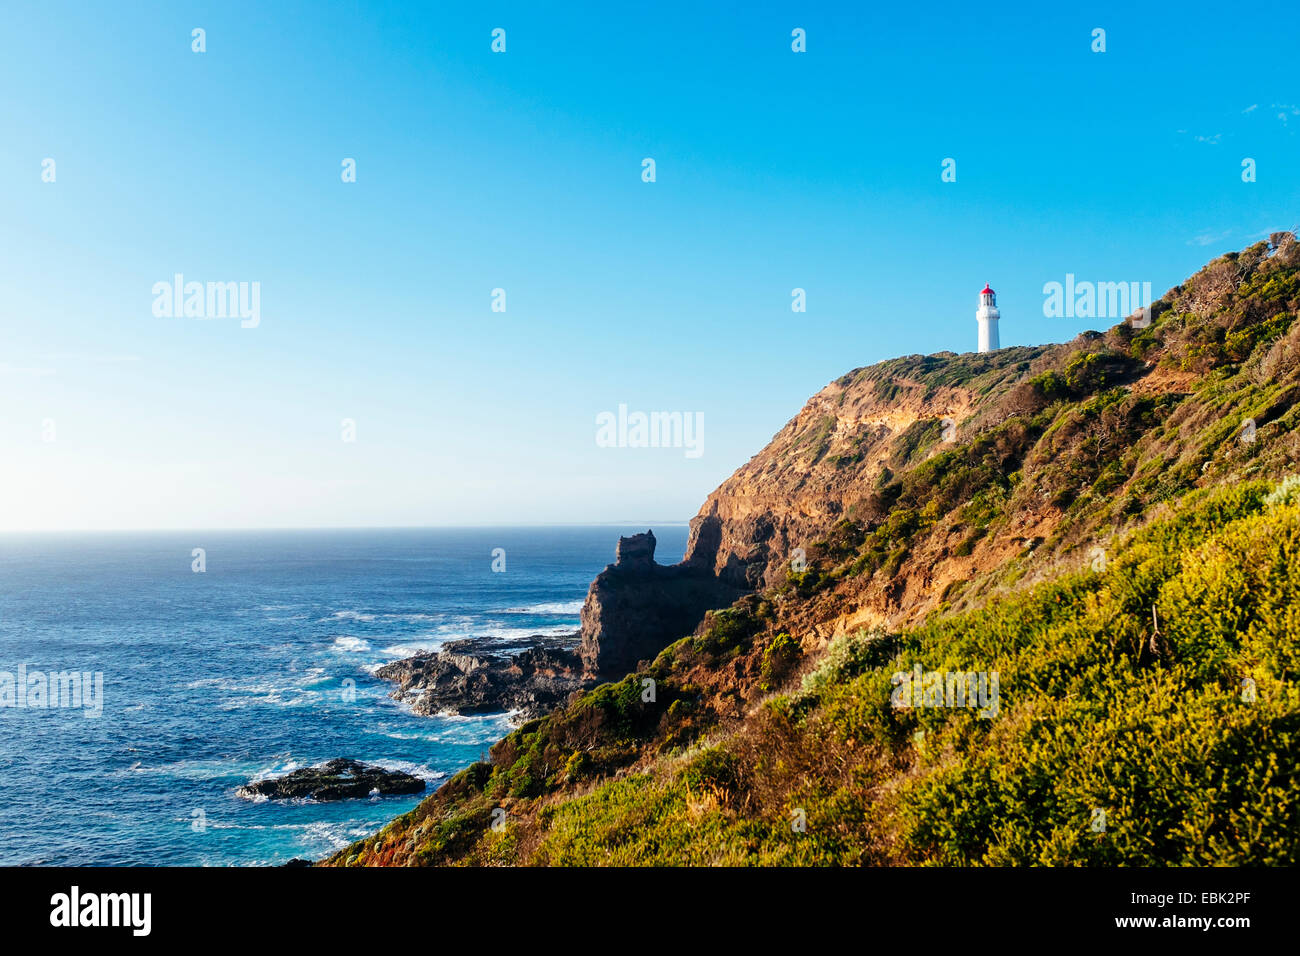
(462, 678)
(635, 607)
(335, 780)
(637, 551)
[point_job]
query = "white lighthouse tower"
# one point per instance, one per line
(987, 316)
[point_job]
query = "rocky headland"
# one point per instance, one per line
(1023, 512)
(634, 609)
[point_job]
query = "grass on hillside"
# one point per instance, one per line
(1147, 716)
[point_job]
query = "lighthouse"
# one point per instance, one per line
(987, 317)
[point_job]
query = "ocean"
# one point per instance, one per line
(261, 663)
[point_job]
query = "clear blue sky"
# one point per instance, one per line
(522, 171)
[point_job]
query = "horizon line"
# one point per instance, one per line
(413, 527)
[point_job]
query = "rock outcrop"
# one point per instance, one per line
(636, 607)
(334, 780)
(460, 678)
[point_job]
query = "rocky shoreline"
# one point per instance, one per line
(634, 608)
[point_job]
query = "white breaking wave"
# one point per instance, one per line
(567, 608)
(350, 645)
(352, 616)
(367, 616)
(279, 770)
(503, 636)
(407, 766)
(410, 649)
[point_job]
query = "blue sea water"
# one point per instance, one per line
(260, 664)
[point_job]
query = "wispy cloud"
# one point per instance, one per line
(1212, 138)
(1285, 109)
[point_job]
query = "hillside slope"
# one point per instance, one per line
(1096, 535)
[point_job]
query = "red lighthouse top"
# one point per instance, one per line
(986, 290)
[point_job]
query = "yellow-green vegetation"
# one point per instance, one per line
(1147, 709)
(1156, 695)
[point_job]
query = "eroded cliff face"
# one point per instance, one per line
(831, 460)
(829, 463)
(922, 452)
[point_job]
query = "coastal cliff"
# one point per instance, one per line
(1102, 535)
(831, 460)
